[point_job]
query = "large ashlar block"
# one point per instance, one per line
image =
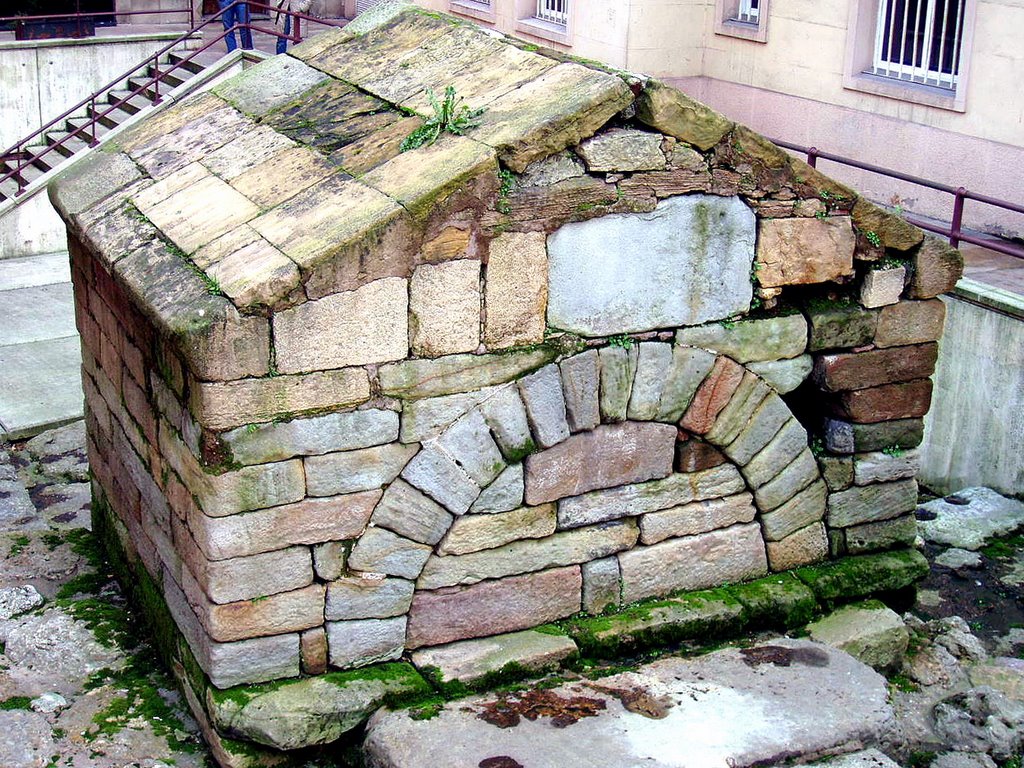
(694, 267)
(517, 290)
(367, 325)
(801, 251)
(444, 308)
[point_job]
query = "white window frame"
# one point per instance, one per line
(745, 19)
(889, 73)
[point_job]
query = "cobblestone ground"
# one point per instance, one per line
(79, 684)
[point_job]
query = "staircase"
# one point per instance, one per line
(37, 160)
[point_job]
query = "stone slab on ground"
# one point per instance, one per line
(732, 707)
(470, 661)
(985, 515)
(40, 386)
(869, 758)
(30, 271)
(868, 631)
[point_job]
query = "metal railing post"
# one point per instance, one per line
(92, 121)
(298, 29)
(958, 215)
(812, 157)
(156, 80)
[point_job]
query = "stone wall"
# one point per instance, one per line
(606, 348)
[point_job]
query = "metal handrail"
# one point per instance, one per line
(954, 232)
(89, 14)
(24, 158)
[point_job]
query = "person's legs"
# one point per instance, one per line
(243, 14)
(229, 19)
(282, 42)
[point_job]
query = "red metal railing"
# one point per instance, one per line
(23, 158)
(954, 231)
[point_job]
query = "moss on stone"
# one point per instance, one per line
(779, 601)
(862, 575)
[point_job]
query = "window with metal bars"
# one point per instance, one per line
(748, 12)
(553, 11)
(919, 41)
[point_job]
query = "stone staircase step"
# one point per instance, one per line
(67, 148)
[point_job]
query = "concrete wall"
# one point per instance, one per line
(42, 78)
(973, 432)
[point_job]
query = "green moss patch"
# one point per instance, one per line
(862, 575)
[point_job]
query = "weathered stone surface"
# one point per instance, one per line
(552, 169)
(15, 601)
(444, 308)
(689, 368)
(502, 495)
(516, 293)
(580, 388)
(986, 515)
(435, 473)
(26, 740)
(869, 632)
(246, 578)
(228, 404)
(367, 325)
(330, 706)
(884, 534)
(910, 322)
(862, 575)
(771, 338)
(654, 361)
(551, 112)
(676, 114)
(712, 396)
(844, 437)
(806, 546)
(506, 416)
(468, 441)
(412, 514)
(937, 268)
(737, 413)
(881, 467)
(277, 441)
(360, 597)
(352, 471)
(785, 485)
(882, 286)
(470, 661)
(493, 607)
(784, 375)
(602, 585)
(886, 403)
(693, 562)
(283, 175)
(633, 500)
(268, 85)
(256, 275)
(423, 419)
(694, 455)
(892, 230)
(618, 367)
(859, 370)
(609, 455)
(458, 373)
(365, 641)
(59, 646)
(525, 556)
(472, 533)
(545, 405)
(381, 551)
(869, 503)
(837, 471)
(622, 149)
(837, 326)
(808, 506)
(801, 251)
(601, 285)
(329, 559)
(697, 517)
(272, 615)
(309, 521)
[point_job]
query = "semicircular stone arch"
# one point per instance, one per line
(614, 475)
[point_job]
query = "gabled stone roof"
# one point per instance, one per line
(287, 184)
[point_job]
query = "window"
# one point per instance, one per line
(919, 41)
(913, 50)
(481, 10)
(747, 19)
(547, 19)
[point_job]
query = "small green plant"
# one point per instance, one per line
(893, 450)
(889, 262)
(251, 428)
(18, 544)
(818, 447)
(622, 340)
(450, 115)
(508, 183)
(873, 238)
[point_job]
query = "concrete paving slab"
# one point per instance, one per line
(36, 313)
(29, 271)
(40, 386)
(735, 707)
